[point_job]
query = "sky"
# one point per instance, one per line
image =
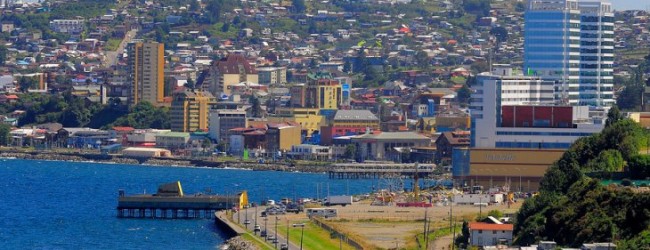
(630, 4)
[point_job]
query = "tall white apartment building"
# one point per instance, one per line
(596, 53)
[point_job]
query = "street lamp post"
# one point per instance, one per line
(256, 225)
(287, 234)
(276, 231)
(302, 232)
(266, 228)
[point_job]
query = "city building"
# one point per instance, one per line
(517, 131)
(221, 121)
(540, 123)
(378, 146)
(487, 234)
(310, 152)
(596, 53)
(552, 44)
(446, 143)
(229, 71)
(172, 140)
(282, 136)
(70, 26)
(272, 75)
(571, 42)
(323, 91)
(146, 63)
(349, 122)
(190, 111)
(298, 94)
(309, 119)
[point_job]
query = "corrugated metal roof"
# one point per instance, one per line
(361, 115)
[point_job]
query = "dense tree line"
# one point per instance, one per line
(573, 208)
(145, 115)
(73, 111)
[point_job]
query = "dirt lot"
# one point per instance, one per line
(389, 227)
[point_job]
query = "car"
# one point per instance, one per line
(263, 234)
(257, 228)
(284, 246)
(270, 237)
(246, 222)
(275, 240)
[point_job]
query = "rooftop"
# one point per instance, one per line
(361, 115)
(489, 226)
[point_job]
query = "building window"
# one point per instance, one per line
(479, 231)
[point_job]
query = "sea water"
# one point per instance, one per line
(67, 205)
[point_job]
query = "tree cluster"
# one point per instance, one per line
(145, 115)
(572, 208)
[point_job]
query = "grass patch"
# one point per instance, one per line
(258, 242)
(314, 237)
(437, 233)
(112, 44)
(218, 31)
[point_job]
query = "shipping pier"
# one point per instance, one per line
(381, 170)
(169, 202)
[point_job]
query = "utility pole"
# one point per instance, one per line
(425, 233)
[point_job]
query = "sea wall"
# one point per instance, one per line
(102, 158)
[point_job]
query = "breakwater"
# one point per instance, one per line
(188, 162)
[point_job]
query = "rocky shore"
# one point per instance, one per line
(90, 157)
(238, 243)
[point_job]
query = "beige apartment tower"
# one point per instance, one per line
(146, 72)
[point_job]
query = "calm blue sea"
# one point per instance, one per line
(65, 205)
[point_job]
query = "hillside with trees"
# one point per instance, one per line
(573, 208)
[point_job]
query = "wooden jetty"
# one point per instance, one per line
(170, 202)
(380, 170)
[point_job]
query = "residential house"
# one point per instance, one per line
(447, 141)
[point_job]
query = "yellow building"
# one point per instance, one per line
(190, 111)
(280, 137)
(309, 119)
(643, 118)
(323, 92)
(146, 72)
(229, 71)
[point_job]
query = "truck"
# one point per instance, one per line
(334, 200)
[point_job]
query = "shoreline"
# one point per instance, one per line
(154, 162)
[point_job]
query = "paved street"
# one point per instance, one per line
(270, 223)
(111, 56)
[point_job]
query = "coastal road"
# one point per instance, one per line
(249, 213)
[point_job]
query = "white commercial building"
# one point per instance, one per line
(510, 111)
(73, 26)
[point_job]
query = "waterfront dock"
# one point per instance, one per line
(170, 202)
(380, 170)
